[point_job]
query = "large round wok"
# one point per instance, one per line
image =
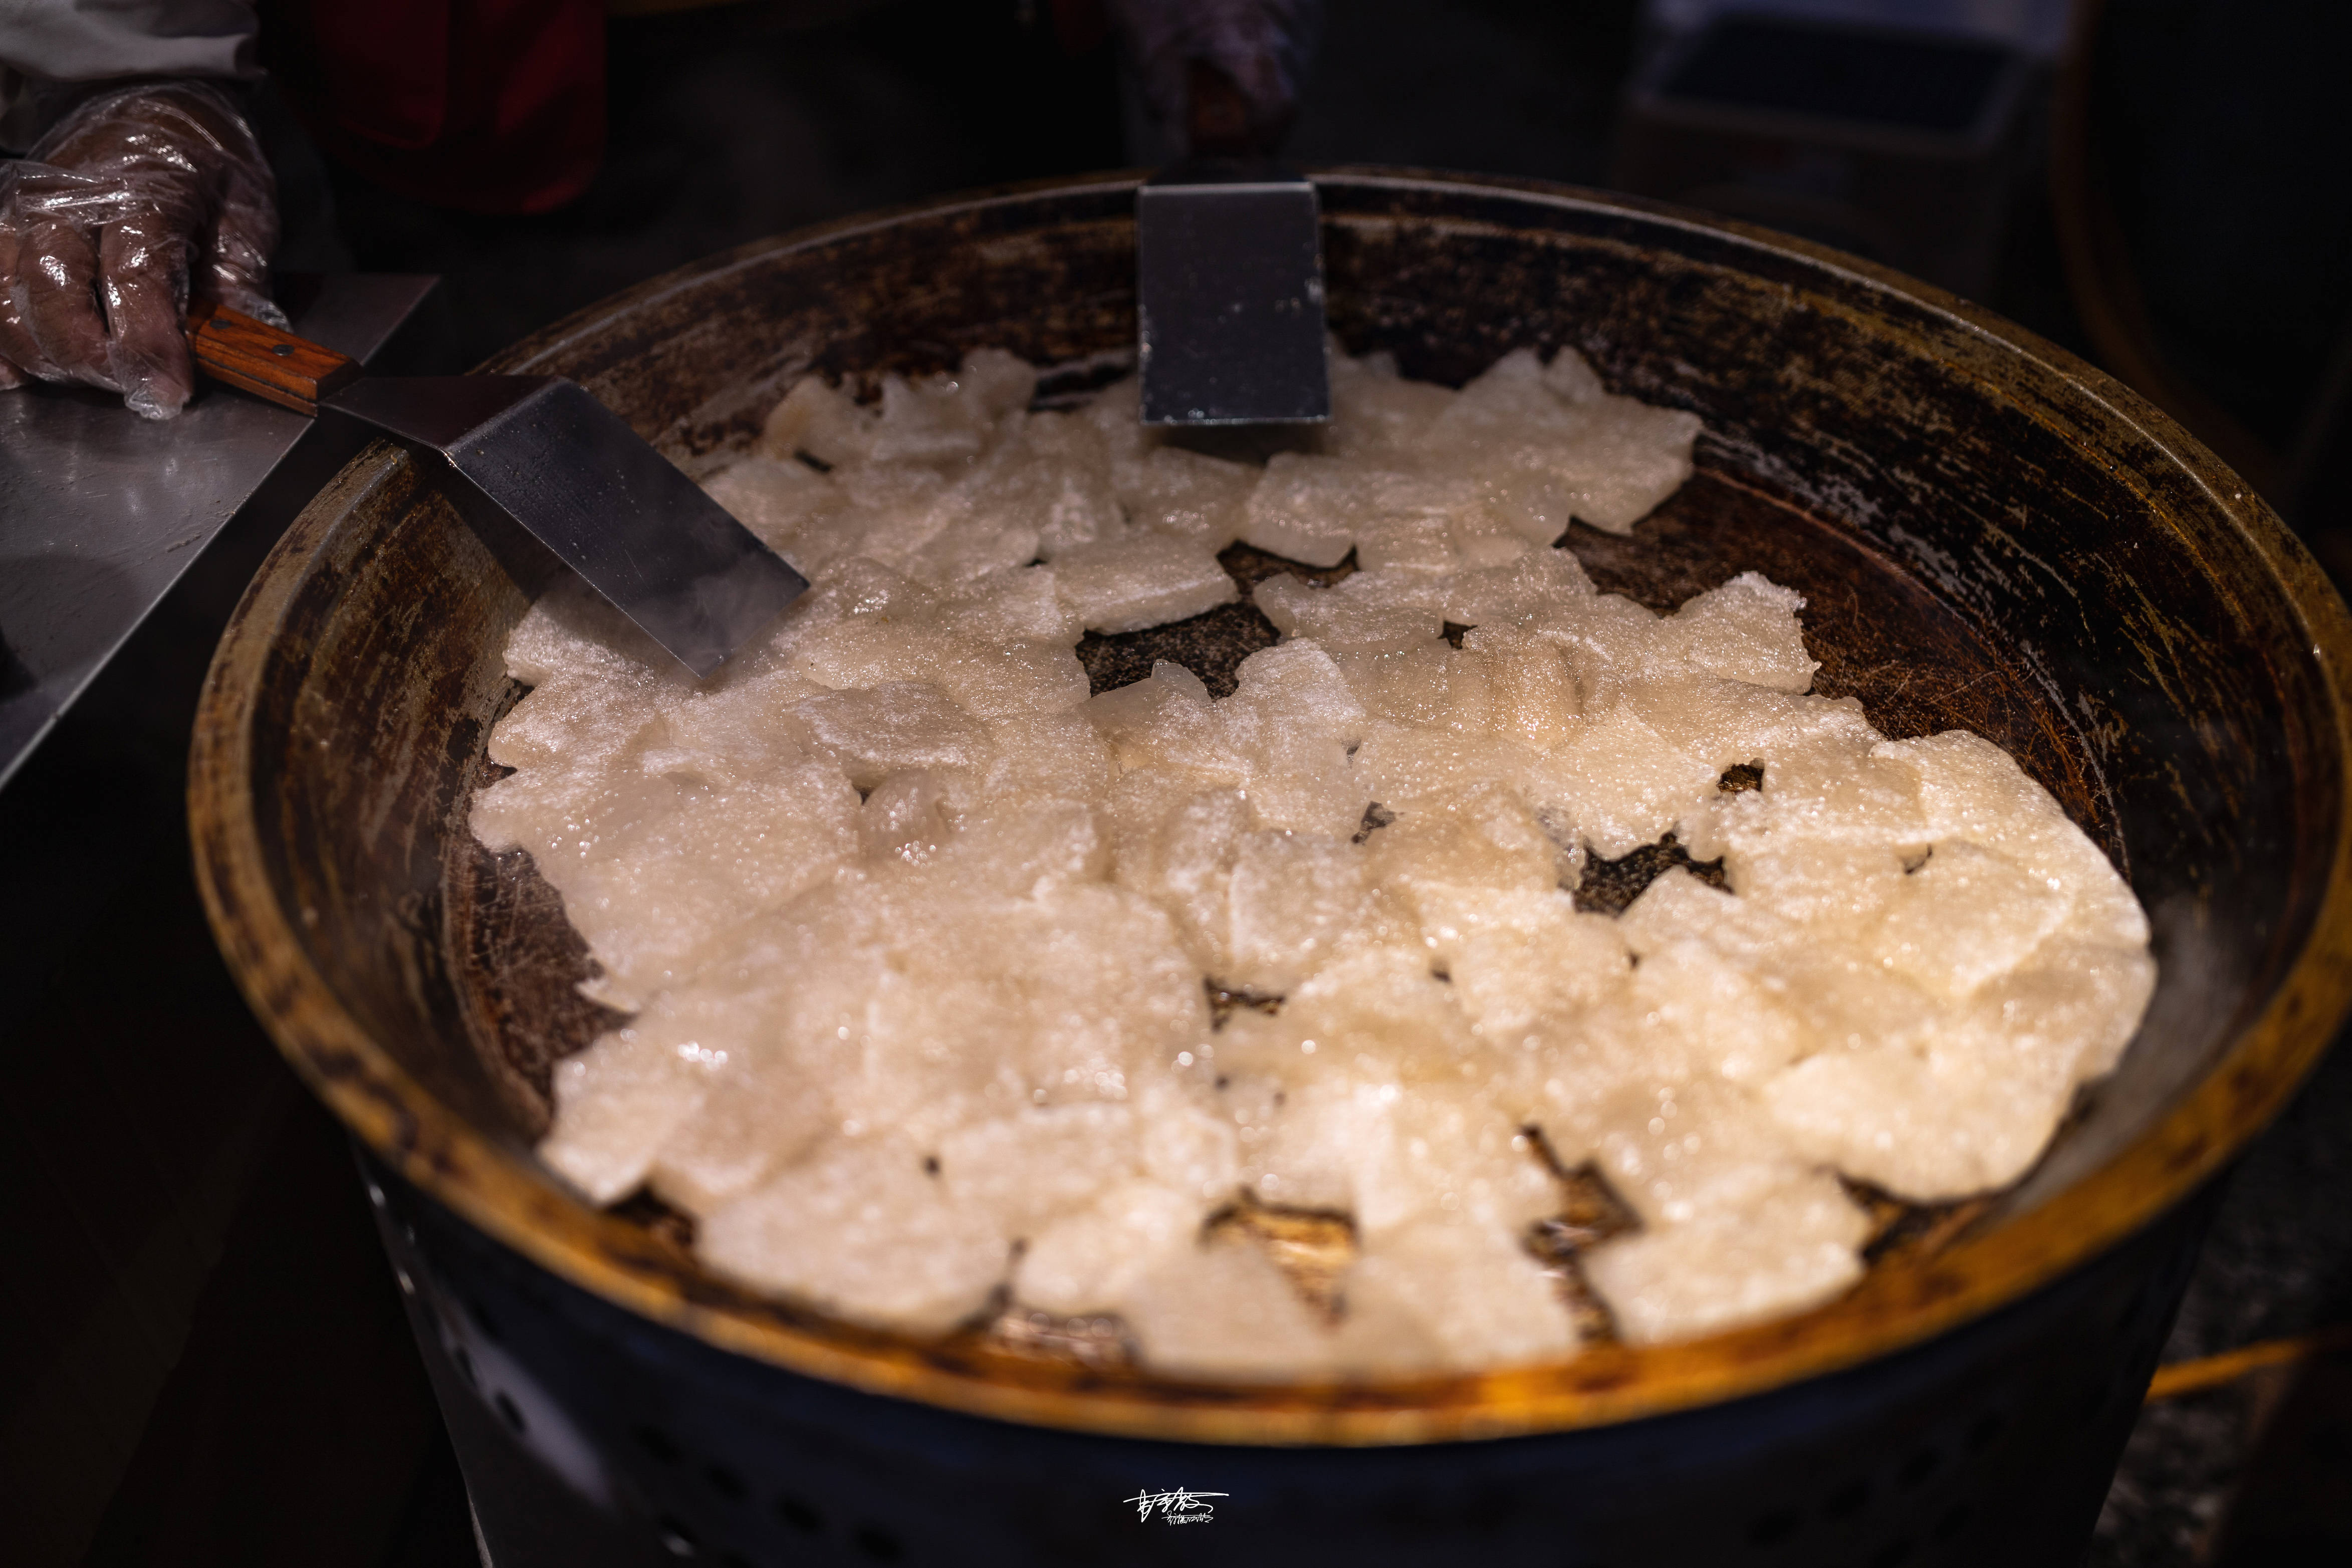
(1990, 534)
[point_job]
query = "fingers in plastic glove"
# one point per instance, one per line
(56, 294)
(134, 198)
(17, 347)
(237, 269)
(144, 279)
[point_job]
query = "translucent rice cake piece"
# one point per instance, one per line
(616, 1103)
(1610, 642)
(1179, 851)
(1382, 1000)
(1517, 960)
(1186, 1143)
(1731, 724)
(1841, 1001)
(1516, 594)
(969, 647)
(1116, 415)
(1973, 1109)
(1745, 631)
(1107, 991)
(1531, 691)
(1292, 718)
(1971, 790)
(1418, 523)
(1168, 720)
(641, 1094)
(1025, 1169)
(821, 421)
(1500, 408)
(893, 512)
(1012, 680)
(1059, 994)
(1052, 478)
(1092, 1258)
(900, 725)
(1045, 847)
(1138, 579)
(568, 740)
(654, 874)
(789, 504)
(1375, 1125)
(861, 651)
(926, 421)
(967, 536)
(861, 1231)
(1223, 1310)
(1472, 1292)
(1736, 1227)
(1603, 460)
(1796, 1248)
(1358, 615)
(1296, 687)
(735, 729)
(756, 1116)
(1400, 763)
(1828, 841)
(1376, 413)
(1302, 509)
(1054, 755)
(1008, 607)
(1453, 1159)
(995, 384)
(1292, 899)
(1570, 378)
(1626, 457)
(1186, 495)
(1427, 685)
(1964, 917)
(1484, 841)
(907, 818)
(1621, 782)
(1728, 1016)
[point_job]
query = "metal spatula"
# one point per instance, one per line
(565, 466)
(1229, 279)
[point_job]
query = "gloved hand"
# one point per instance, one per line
(127, 202)
(1224, 74)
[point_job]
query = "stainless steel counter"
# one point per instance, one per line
(103, 512)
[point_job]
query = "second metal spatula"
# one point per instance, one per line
(565, 466)
(1229, 277)
(1229, 296)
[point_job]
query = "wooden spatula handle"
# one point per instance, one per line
(259, 358)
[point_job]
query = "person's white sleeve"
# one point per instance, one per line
(50, 45)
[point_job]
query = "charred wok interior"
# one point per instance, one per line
(1989, 537)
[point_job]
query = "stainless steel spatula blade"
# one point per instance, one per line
(562, 464)
(586, 485)
(1229, 294)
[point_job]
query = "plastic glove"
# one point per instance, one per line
(100, 225)
(1227, 72)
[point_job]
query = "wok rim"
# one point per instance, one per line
(1899, 1304)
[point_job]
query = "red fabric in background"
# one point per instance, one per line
(1081, 26)
(486, 106)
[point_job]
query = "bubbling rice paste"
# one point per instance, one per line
(918, 941)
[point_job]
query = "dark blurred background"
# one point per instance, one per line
(206, 1360)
